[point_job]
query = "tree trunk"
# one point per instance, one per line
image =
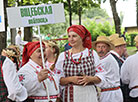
(13, 35)
(70, 12)
(3, 35)
(79, 11)
(80, 15)
(115, 16)
(2, 41)
(27, 30)
(27, 34)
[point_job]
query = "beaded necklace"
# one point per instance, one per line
(77, 62)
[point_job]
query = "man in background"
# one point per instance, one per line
(118, 53)
(110, 90)
(19, 41)
(48, 37)
(129, 74)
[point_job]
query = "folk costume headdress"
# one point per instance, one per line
(119, 42)
(113, 37)
(28, 50)
(16, 47)
(10, 52)
(83, 33)
(103, 39)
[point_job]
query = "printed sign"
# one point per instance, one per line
(2, 23)
(35, 15)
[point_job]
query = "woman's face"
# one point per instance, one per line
(4, 54)
(49, 51)
(36, 56)
(74, 39)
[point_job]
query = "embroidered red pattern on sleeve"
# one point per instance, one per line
(99, 68)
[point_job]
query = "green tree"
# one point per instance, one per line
(95, 11)
(115, 16)
(79, 6)
(97, 29)
(55, 30)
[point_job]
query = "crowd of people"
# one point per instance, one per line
(98, 71)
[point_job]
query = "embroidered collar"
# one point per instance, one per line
(116, 54)
(34, 64)
(105, 55)
(84, 52)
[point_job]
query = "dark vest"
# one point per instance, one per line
(3, 88)
(119, 61)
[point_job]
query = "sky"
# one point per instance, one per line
(127, 7)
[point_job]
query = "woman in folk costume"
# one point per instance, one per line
(17, 49)
(11, 89)
(52, 53)
(11, 54)
(32, 75)
(80, 67)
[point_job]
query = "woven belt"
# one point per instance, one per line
(110, 89)
(42, 97)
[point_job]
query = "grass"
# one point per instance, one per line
(131, 50)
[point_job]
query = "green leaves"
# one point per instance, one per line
(96, 29)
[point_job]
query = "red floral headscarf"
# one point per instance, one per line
(28, 50)
(83, 33)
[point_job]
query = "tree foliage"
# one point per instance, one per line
(56, 30)
(95, 11)
(97, 29)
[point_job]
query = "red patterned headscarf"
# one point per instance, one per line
(28, 50)
(83, 33)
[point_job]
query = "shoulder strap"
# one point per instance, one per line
(90, 52)
(118, 60)
(66, 53)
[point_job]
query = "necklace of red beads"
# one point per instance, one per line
(77, 62)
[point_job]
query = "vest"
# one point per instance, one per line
(85, 67)
(119, 61)
(124, 87)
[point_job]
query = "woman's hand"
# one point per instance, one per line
(42, 75)
(89, 79)
(85, 80)
(69, 80)
(75, 79)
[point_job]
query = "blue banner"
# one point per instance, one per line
(0, 19)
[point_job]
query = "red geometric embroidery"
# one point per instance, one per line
(58, 71)
(21, 77)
